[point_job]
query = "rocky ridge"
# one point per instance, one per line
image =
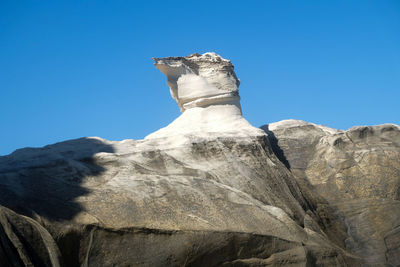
(207, 190)
(357, 171)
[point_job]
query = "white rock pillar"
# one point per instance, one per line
(200, 80)
(206, 90)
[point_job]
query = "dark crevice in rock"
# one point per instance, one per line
(280, 154)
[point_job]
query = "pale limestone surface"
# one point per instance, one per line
(199, 80)
(206, 89)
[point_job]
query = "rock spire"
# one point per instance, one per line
(206, 90)
(200, 80)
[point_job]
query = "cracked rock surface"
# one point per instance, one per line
(357, 171)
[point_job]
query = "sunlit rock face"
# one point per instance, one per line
(206, 90)
(358, 172)
(207, 190)
(200, 80)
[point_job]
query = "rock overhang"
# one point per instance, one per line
(206, 90)
(200, 80)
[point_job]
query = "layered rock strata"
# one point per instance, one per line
(200, 80)
(207, 190)
(206, 90)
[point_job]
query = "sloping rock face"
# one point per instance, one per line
(357, 171)
(205, 203)
(24, 242)
(207, 190)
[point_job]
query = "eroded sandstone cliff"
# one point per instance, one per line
(207, 190)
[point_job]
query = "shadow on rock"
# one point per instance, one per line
(46, 181)
(279, 153)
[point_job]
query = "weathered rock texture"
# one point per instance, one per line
(207, 190)
(206, 89)
(200, 80)
(357, 171)
(205, 203)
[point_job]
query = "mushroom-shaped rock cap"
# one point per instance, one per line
(206, 90)
(200, 80)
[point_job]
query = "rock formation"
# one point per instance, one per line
(207, 190)
(200, 80)
(358, 172)
(206, 90)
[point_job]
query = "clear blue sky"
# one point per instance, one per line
(70, 69)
